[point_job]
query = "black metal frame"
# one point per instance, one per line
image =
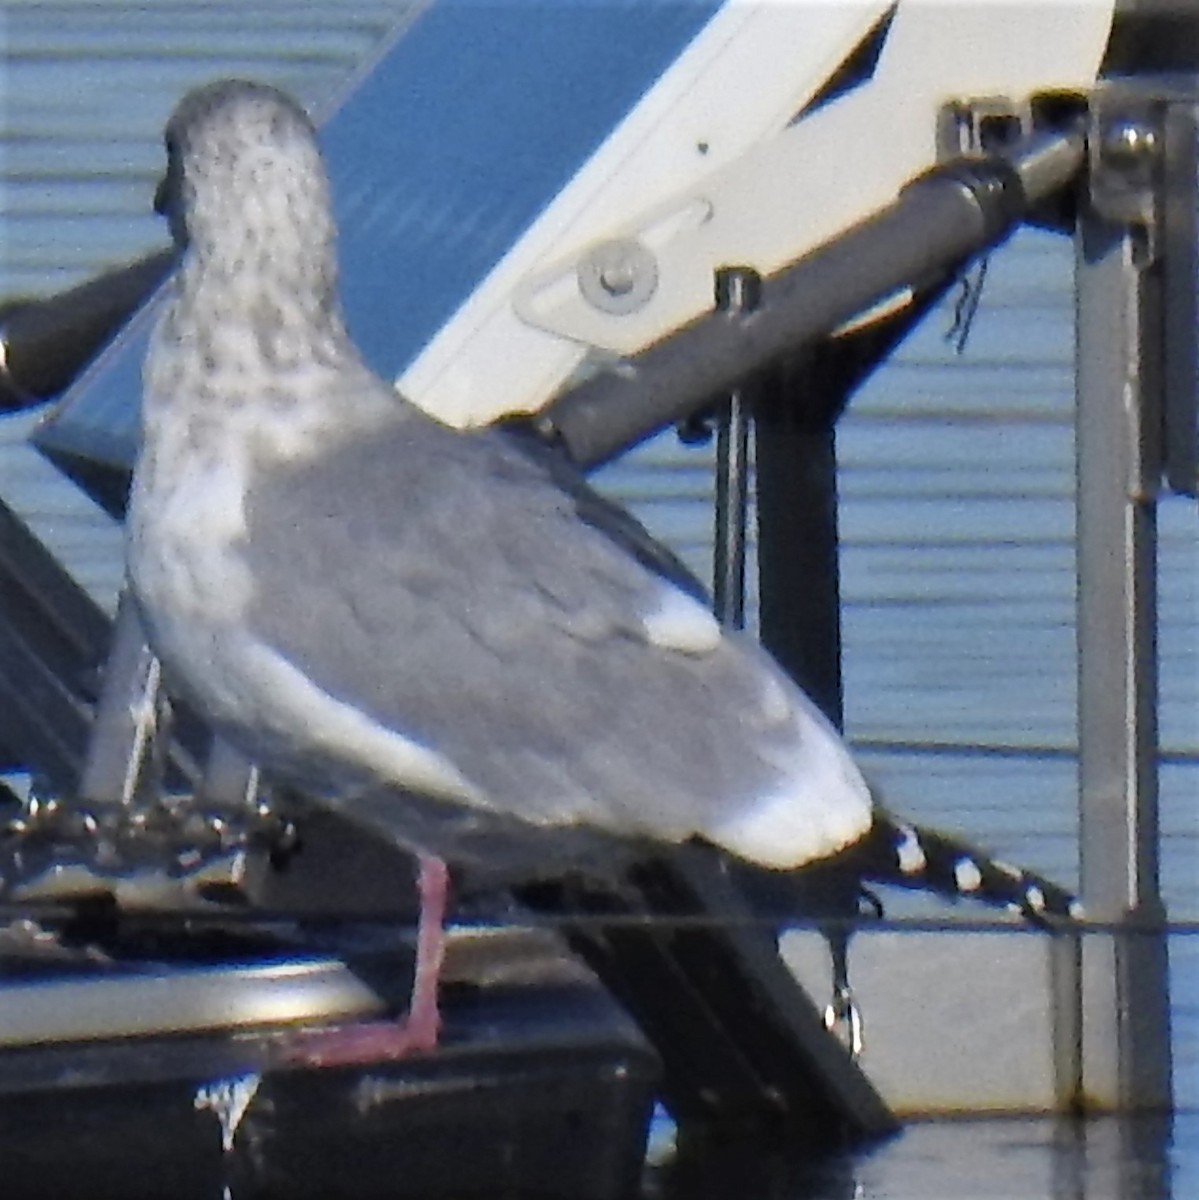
(53, 644)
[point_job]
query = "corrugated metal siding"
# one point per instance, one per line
(959, 577)
(87, 87)
(958, 512)
(958, 520)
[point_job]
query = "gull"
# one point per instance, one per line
(355, 594)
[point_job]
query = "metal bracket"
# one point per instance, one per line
(1144, 171)
(1125, 149)
(702, 173)
(1137, 283)
(619, 295)
(983, 125)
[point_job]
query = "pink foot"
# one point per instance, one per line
(417, 1033)
(353, 1045)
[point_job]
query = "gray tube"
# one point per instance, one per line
(44, 344)
(938, 220)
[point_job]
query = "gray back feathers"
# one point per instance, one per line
(339, 579)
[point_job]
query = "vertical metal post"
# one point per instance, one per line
(1179, 210)
(732, 504)
(737, 291)
(230, 780)
(799, 578)
(126, 716)
(1125, 1049)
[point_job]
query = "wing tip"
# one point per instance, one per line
(799, 823)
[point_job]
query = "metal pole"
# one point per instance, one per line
(938, 221)
(44, 344)
(737, 291)
(732, 503)
(127, 715)
(799, 578)
(1125, 1048)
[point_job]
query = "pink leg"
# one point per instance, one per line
(424, 1018)
(369, 1041)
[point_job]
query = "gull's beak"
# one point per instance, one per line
(162, 195)
(167, 201)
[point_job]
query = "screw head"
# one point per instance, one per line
(619, 276)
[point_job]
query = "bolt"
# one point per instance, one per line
(617, 278)
(1128, 143)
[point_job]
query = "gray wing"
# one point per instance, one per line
(601, 513)
(448, 586)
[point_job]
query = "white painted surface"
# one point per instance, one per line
(771, 199)
(953, 1022)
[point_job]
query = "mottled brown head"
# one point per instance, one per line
(245, 182)
(247, 198)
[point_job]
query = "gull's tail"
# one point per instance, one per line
(901, 854)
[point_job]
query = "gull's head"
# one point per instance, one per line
(244, 179)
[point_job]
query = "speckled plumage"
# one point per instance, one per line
(353, 593)
(345, 586)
